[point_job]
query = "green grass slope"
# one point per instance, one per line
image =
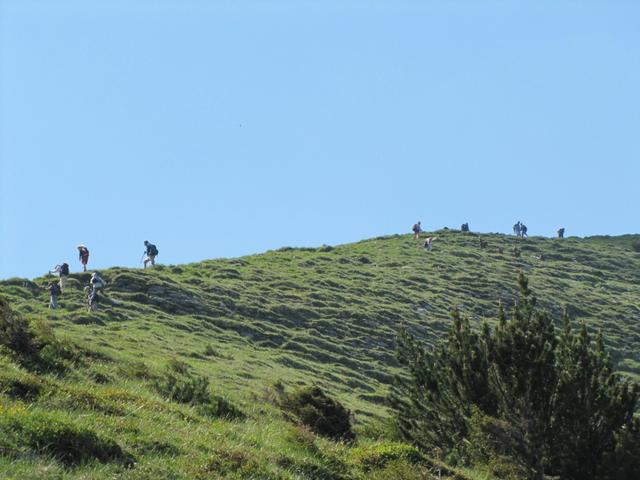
(293, 316)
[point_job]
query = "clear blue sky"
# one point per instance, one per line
(219, 129)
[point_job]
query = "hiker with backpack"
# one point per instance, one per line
(517, 229)
(561, 232)
(63, 273)
(83, 255)
(151, 252)
(54, 293)
(417, 230)
(96, 283)
(523, 230)
(428, 244)
(464, 228)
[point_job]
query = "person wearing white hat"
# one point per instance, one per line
(83, 256)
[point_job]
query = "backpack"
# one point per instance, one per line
(153, 250)
(64, 269)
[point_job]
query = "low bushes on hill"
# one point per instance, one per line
(323, 414)
(180, 384)
(33, 345)
(15, 333)
(23, 431)
(636, 246)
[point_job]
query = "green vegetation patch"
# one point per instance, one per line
(323, 414)
(180, 384)
(24, 431)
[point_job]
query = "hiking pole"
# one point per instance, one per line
(142, 258)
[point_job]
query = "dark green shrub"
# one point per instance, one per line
(47, 434)
(496, 445)
(239, 462)
(21, 386)
(136, 370)
(222, 408)
(15, 332)
(549, 402)
(34, 345)
(323, 414)
(636, 246)
(180, 385)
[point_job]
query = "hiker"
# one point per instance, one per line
(96, 283)
(83, 255)
(561, 232)
(464, 227)
(150, 252)
(54, 293)
(523, 230)
(63, 273)
(428, 244)
(417, 229)
(92, 300)
(516, 229)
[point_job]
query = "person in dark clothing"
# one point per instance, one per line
(517, 229)
(417, 229)
(561, 232)
(63, 273)
(151, 251)
(54, 293)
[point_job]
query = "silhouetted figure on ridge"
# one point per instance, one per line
(417, 230)
(517, 229)
(83, 255)
(150, 252)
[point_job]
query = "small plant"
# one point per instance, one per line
(378, 455)
(400, 469)
(221, 407)
(636, 246)
(323, 414)
(209, 351)
(180, 385)
(137, 370)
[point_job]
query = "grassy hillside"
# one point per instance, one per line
(284, 318)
